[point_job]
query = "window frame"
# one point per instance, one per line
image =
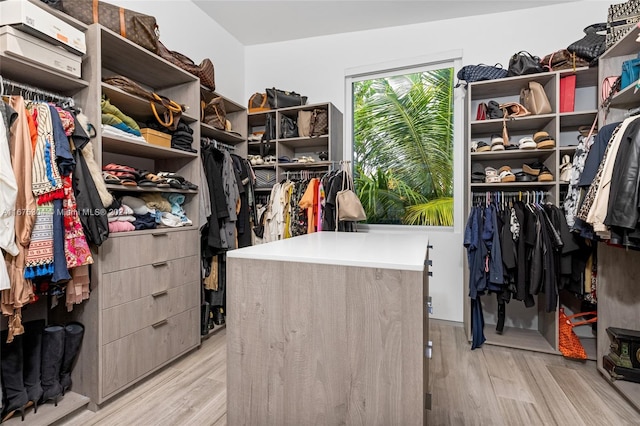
(448, 59)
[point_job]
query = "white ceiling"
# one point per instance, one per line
(265, 21)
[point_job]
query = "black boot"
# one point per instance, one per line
(204, 318)
(502, 312)
(74, 332)
(52, 353)
(32, 348)
(15, 394)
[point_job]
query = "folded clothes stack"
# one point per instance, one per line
(182, 138)
(112, 116)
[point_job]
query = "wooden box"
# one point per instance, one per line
(155, 137)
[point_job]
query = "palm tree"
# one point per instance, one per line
(403, 132)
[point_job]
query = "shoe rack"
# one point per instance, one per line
(315, 154)
(525, 328)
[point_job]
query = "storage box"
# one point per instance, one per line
(155, 137)
(567, 93)
(38, 22)
(32, 49)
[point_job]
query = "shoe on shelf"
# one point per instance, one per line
(565, 169)
(497, 143)
(543, 140)
(491, 175)
(527, 143)
(545, 175)
(477, 173)
(507, 176)
(483, 147)
(533, 168)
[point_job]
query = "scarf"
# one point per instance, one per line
(76, 249)
(39, 261)
(46, 182)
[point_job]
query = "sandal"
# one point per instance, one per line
(543, 140)
(545, 175)
(160, 182)
(111, 179)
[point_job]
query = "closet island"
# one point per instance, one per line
(329, 328)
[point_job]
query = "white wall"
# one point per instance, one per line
(185, 28)
(316, 67)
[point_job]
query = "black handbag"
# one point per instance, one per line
(282, 99)
(480, 72)
(592, 45)
(288, 127)
(523, 63)
(268, 135)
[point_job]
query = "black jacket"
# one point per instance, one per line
(622, 209)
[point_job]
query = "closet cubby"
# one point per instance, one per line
(525, 328)
(297, 147)
(618, 268)
(237, 116)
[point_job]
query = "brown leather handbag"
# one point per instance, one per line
(214, 113)
(173, 110)
(137, 27)
(534, 98)
(319, 122)
(205, 71)
(258, 103)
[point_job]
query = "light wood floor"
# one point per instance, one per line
(491, 386)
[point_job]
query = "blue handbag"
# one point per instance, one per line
(630, 72)
(481, 72)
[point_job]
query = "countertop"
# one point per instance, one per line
(380, 249)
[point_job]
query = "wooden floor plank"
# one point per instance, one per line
(488, 386)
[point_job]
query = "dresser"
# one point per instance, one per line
(329, 328)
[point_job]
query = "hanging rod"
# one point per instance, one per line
(217, 144)
(11, 85)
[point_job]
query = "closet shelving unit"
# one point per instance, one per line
(145, 284)
(237, 115)
(526, 328)
(299, 146)
(618, 268)
(47, 79)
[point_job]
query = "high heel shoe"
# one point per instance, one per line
(10, 414)
(52, 353)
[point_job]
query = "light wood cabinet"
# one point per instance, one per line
(144, 307)
(329, 328)
(618, 268)
(526, 328)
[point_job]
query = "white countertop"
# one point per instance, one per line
(401, 250)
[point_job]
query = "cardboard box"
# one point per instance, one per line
(155, 137)
(32, 49)
(30, 18)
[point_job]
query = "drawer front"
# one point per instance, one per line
(126, 360)
(122, 320)
(131, 284)
(126, 252)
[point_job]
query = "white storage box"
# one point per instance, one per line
(42, 24)
(24, 46)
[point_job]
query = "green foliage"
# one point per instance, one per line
(403, 146)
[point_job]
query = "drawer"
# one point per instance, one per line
(131, 284)
(128, 359)
(130, 251)
(122, 320)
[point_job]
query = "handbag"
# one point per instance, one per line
(481, 112)
(288, 127)
(172, 110)
(630, 72)
(592, 45)
(268, 135)
(480, 72)
(494, 111)
(281, 99)
(523, 63)
(348, 206)
(319, 122)
(563, 60)
(534, 98)
(139, 28)
(304, 123)
(214, 113)
(568, 342)
(621, 18)
(258, 103)
(514, 109)
(205, 71)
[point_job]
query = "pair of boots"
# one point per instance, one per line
(36, 366)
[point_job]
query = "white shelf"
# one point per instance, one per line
(48, 413)
(142, 149)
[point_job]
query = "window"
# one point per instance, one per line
(403, 145)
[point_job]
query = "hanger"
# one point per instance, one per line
(37, 94)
